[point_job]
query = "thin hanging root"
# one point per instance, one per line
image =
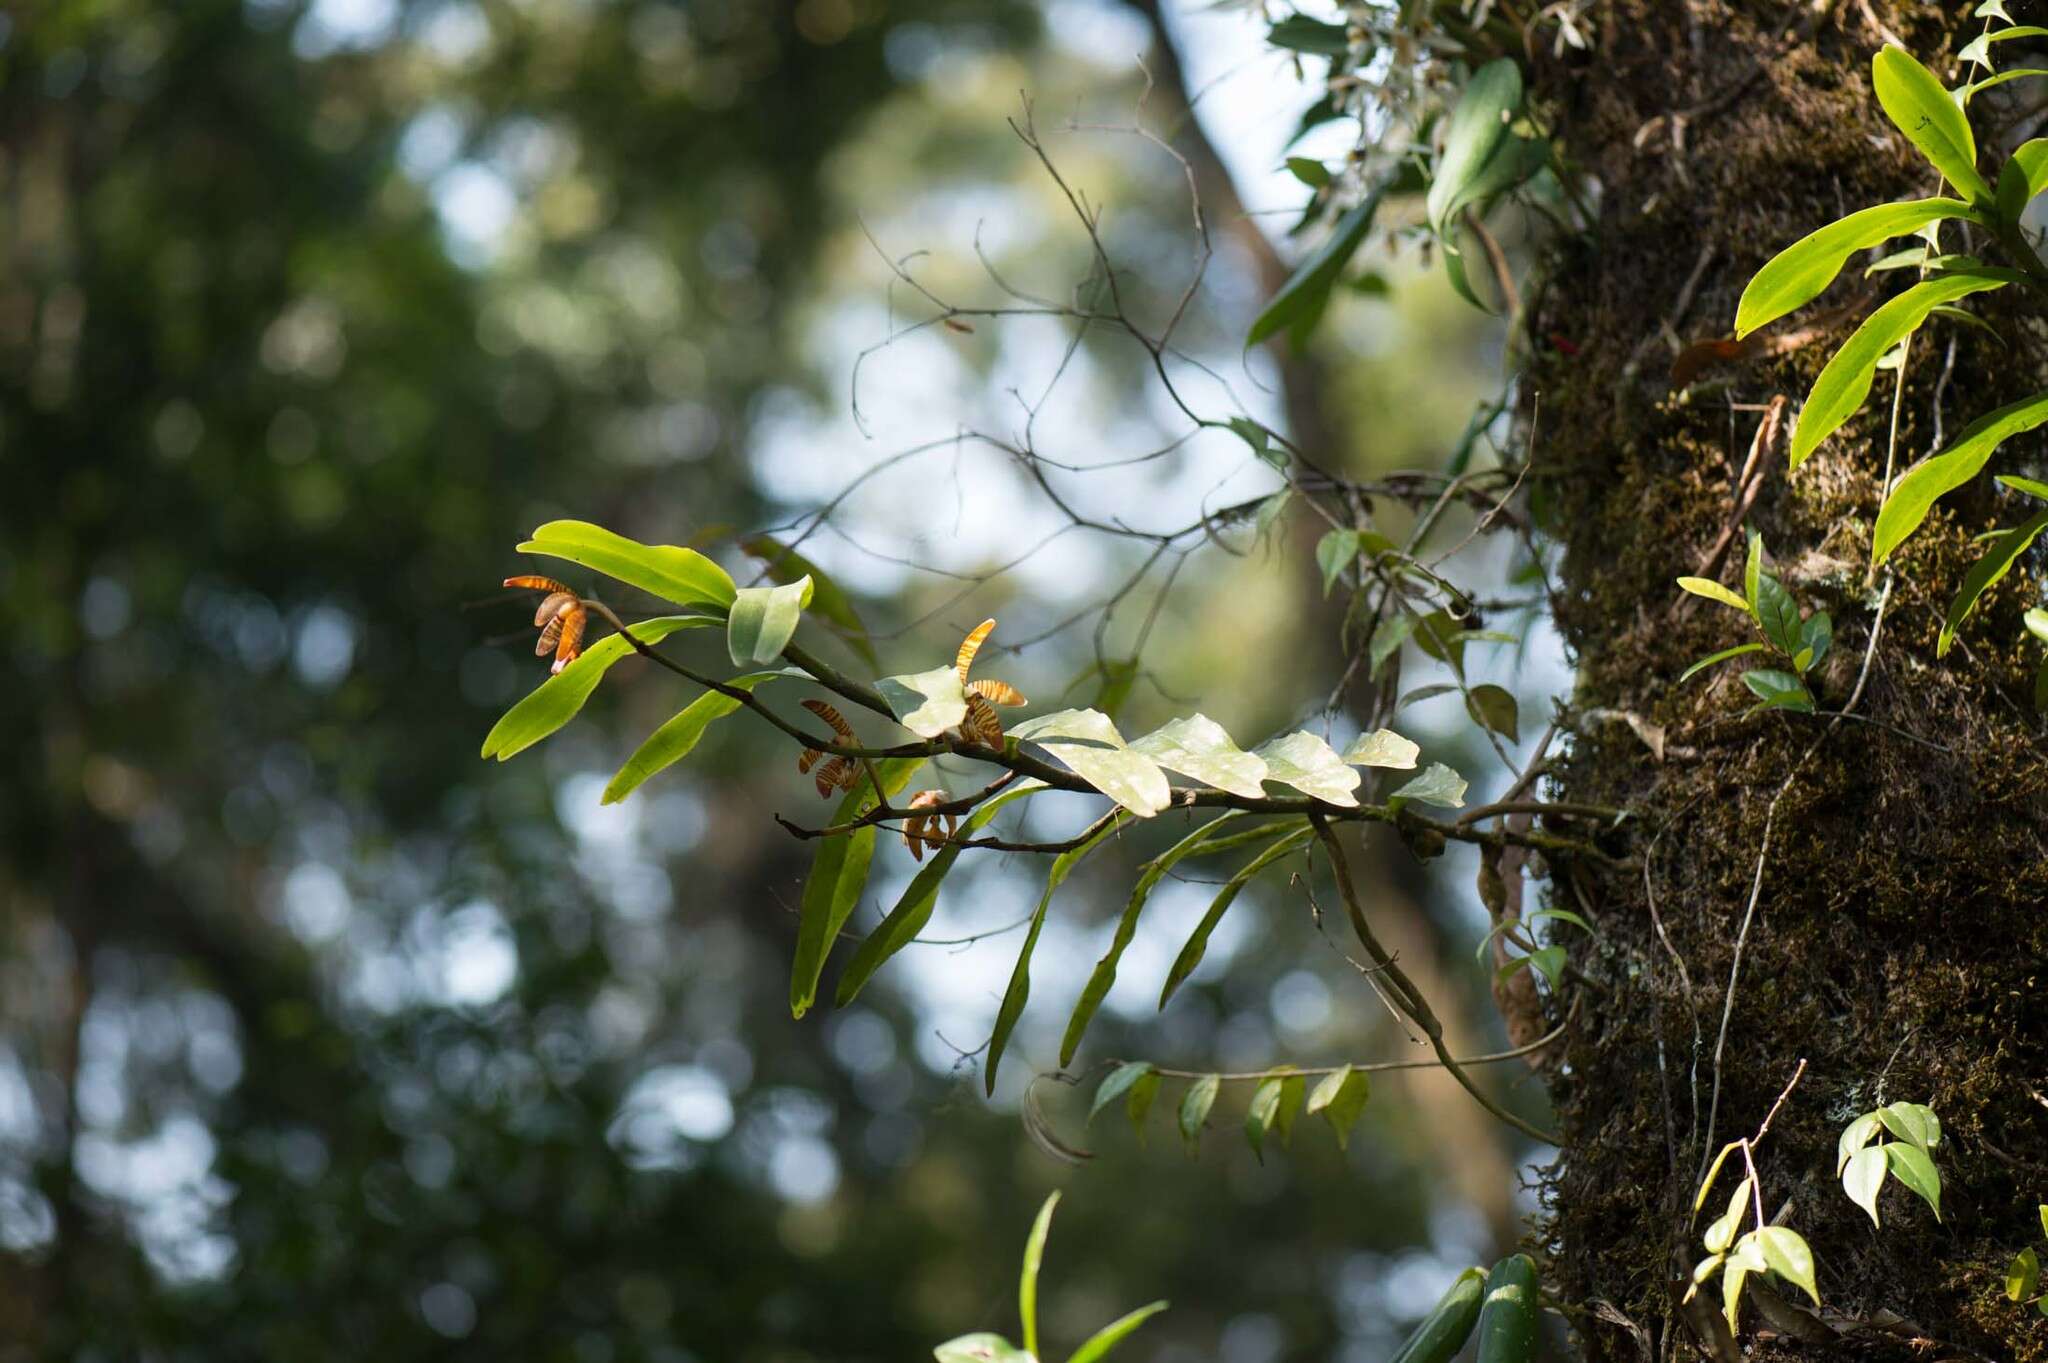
(970, 646)
(921, 830)
(838, 773)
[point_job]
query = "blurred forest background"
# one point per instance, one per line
(321, 1038)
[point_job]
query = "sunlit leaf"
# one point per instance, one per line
(1272, 1110)
(1746, 1258)
(1916, 492)
(1437, 785)
(828, 599)
(1198, 941)
(1721, 1233)
(1194, 1109)
(1913, 1167)
(1097, 1346)
(1863, 1178)
(673, 740)
(762, 619)
(839, 872)
(1027, 1279)
(557, 700)
(683, 576)
(1786, 1251)
(1090, 746)
(1920, 107)
(1985, 573)
(1340, 1098)
(1854, 1137)
(1845, 382)
(1197, 746)
(1723, 656)
(1382, 748)
(1311, 766)
(1913, 1122)
(1713, 591)
(1118, 1083)
(2024, 175)
(926, 703)
(1476, 127)
(1802, 271)
(2023, 1277)
(980, 1347)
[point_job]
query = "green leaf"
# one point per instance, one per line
(1198, 941)
(2023, 1278)
(1027, 1279)
(2044, 1218)
(1104, 974)
(1437, 785)
(1854, 1137)
(1912, 1122)
(1845, 382)
(1382, 748)
(2037, 623)
(1786, 1251)
(1139, 1103)
(1723, 656)
(1991, 9)
(1019, 991)
(1117, 1084)
(1387, 638)
(1334, 552)
(828, 600)
(1746, 1258)
(672, 741)
(1340, 1098)
(762, 620)
(1311, 766)
(1300, 302)
(1802, 271)
(920, 897)
(1816, 637)
(1985, 573)
(1309, 171)
(1778, 614)
(981, 1347)
(1752, 568)
(1300, 33)
(1721, 1234)
(839, 872)
(1475, 128)
(926, 703)
(1920, 107)
(1713, 591)
(1863, 1178)
(1097, 1346)
(1916, 492)
(1444, 1330)
(1549, 960)
(1978, 49)
(1272, 1110)
(1260, 439)
(2027, 485)
(1194, 1109)
(2024, 175)
(1913, 1167)
(1093, 750)
(1493, 707)
(1197, 746)
(683, 576)
(556, 701)
(1779, 690)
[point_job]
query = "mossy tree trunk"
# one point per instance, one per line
(1899, 938)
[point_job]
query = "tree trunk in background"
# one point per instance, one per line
(1899, 943)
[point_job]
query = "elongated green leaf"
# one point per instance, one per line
(1714, 591)
(2024, 175)
(914, 909)
(2023, 1277)
(829, 600)
(1104, 975)
(1721, 1233)
(1854, 1137)
(980, 1347)
(1863, 1178)
(1816, 637)
(1485, 108)
(556, 701)
(1921, 108)
(1019, 991)
(1723, 656)
(683, 576)
(1340, 1098)
(1913, 1167)
(673, 740)
(926, 703)
(1802, 271)
(1493, 707)
(1978, 49)
(1912, 1122)
(1985, 573)
(1027, 1279)
(1445, 1329)
(1197, 746)
(1272, 1110)
(1752, 567)
(1845, 382)
(1777, 614)
(1117, 1084)
(1304, 33)
(1300, 302)
(1093, 750)
(1194, 1109)
(1930, 479)
(1779, 690)
(1383, 748)
(1746, 1258)
(1311, 766)
(1437, 785)
(1097, 1346)
(762, 619)
(1198, 941)
(839, 872)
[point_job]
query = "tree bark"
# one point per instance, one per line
(1865, 894)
